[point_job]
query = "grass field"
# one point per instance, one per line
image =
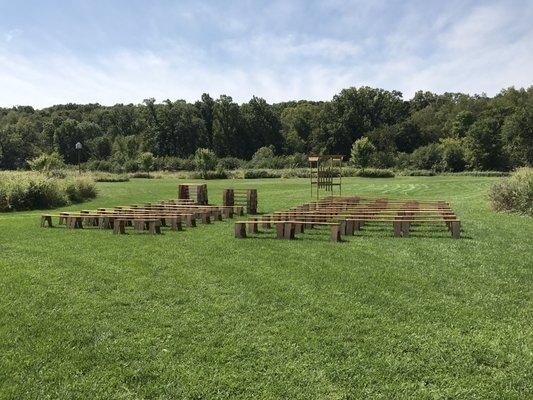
(199, 314)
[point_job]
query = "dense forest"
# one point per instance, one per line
(447, 132)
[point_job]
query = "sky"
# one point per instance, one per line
(124, 51)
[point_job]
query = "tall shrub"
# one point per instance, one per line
(515, 193)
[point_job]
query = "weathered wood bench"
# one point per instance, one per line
(286, 229)
(153, 226)
(402, 226)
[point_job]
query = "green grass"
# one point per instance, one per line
(200, 314)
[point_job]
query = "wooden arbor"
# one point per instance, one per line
(241, 197)
(193, 191)
(325, 173)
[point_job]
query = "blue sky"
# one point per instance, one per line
(55, 52)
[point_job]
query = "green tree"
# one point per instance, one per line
(483, 147)
(46, 162)
(205, 160)
(206, 108)
(426, 157)
(65, 138)
(452, 153)
(146, 161)
(362, 152)
(229, 138)
(517, 135)
(461, 123)
(263, 127)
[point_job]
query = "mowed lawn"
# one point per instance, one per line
(199, 314)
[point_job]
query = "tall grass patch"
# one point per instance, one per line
(515, 193)
(33, 190)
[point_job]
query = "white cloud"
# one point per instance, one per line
(481, 50)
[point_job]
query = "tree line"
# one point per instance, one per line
(448, 132)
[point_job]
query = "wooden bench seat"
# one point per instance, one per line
(286, 229)
(402, 226)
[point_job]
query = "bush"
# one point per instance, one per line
(29, 190)
(130, 166)
(99, 165)
(417, 172)
(295, 173)
(452, 153)
(514, 194)
(261, 173)
(479, 173)
(146, 161)
(264, 158)
(169, 163)
(108, 177)
(426, 157)
(368, 172)
(58, 173)
(47, 162)
(143, 175)
(362, 152)
(80, 189)
(205, 160)
(230, 163)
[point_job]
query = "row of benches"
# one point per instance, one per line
(346, 215)
(150, 216)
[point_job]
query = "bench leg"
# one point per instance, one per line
(456, 229)
(154, 227)
(280, 230)
(343, 227)
(191, 221)
(46, 220)
(406, 225)
(206, 219)
(253, 227)
(119, 228)
(397, 228)
(289, 231)
(240, 230)
(298, 228)
(335, 233)
(350, 227)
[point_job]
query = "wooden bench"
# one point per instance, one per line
(153, 226)
(286, 229)
(402, 226)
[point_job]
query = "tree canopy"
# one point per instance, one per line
(450, 131)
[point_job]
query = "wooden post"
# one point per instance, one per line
(191, 221)
(252, 226)
(343, 226)
(289, 231)
(228, 197)
(298, 228)
(456, 229)
(335, 233)
(205, 218)
(350, 227)
(183, 192)
(397, 228)
(240, 230)
(119, 227)
(406, 225)
(154, 226)
(280, 230)
(251, 201)
(46, 220)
